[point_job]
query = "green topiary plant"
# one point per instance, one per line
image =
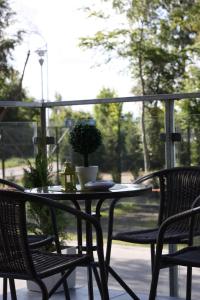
(85, 139)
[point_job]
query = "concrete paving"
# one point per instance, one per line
(80, 294)
(133, 264)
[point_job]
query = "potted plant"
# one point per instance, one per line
(85, 138)
(39, 174)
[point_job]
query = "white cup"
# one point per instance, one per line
(86, 174)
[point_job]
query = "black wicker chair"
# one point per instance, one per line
(19, 261)
(188, 256)
(178, 187)
(35, 241)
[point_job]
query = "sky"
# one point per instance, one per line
(67, 69)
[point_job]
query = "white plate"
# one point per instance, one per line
(99, 185)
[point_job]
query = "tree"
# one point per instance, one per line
(188, 122)
(132, 155)
(10, 81)
(121, 137)
(158, 39)
(109, 118)
(7, 43)
(59, 122)
(154, 126)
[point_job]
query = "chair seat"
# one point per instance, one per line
(47, 263)
(189, 256)
(149, 236)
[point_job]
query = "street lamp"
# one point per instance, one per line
(41, 54)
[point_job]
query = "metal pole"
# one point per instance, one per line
(169, 127)
(41, 61)
(43, 148)
(41, 54)
(57, 155)
(3, 167)
(170, 162)
(3, 155)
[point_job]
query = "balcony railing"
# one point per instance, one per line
(169, 136)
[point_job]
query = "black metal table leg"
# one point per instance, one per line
(12, 289)
(110, 230)
(89, 247)
(108, 252)
(5, 288)
(123, 284)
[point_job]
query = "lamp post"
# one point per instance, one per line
(41, 54)
(42, 147)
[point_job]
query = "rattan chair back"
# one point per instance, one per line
(178, 187)
(15, 257)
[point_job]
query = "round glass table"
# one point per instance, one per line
(118, 190)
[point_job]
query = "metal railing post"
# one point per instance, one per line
(43, 146)
(170, 162)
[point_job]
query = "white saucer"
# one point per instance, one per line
(99, 185)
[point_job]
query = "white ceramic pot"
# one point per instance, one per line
(86, 174)
(51, 280)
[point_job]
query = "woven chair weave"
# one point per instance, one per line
(178, 189)
(12, 238)
(46, 263)
(189, 256)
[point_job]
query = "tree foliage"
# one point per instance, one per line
(159, 39)
(121, 138)
(10, 79)
(109, 118)
(7, 43)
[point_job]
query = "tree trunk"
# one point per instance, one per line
(85, 160)
(144, 140)
(3, 112)
(119, 148)
(188, 144)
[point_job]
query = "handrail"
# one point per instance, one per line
(146, 98)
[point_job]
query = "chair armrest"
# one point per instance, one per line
(196, 202)
(37, 241)
(144, 178)
(52, 204)
(12, 184)
(55, 204)
(151, 175)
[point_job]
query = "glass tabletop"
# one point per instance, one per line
(118, 190)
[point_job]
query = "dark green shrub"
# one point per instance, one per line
(85, 139)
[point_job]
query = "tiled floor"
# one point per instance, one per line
(133, 265)
(79, 294)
